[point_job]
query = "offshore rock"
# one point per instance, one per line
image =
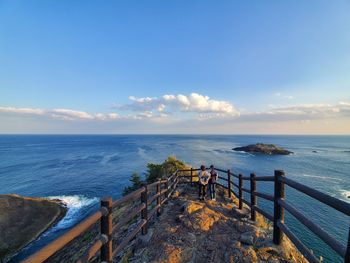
(269, 149)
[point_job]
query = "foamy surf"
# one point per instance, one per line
(75, 205)
(345, 194)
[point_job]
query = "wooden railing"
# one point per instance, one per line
(145, 212)
(164, 188)
(280, 204)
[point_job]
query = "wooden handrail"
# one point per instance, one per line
(331, 201)
(130, 197)
(63, 240)
(330, 241)
(104, 241)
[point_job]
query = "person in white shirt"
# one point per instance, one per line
(203, 179)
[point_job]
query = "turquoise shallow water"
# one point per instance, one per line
(82, 168)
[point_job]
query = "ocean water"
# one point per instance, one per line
(80, 169)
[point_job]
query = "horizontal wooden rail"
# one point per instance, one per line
(153, 198)
(299, 245)
(233, 174)
(130, 197)
(153, 212)
(246, 202)
(93, 249)
(265, 178)
(265, 214)
(220, 170)
(234, 184)
(264, 196)
(60, 242)
(223, 178)
(126, 240)
(103, 243)
(331, 201)
(246, 190)
(129, 216)
(329, 240)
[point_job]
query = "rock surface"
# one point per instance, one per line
(189, 230)
(23, 219)
(269, 149)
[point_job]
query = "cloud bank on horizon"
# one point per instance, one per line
(178, 113)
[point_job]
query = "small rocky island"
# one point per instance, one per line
(23, 219)
(262, 148)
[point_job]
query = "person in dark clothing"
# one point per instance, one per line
(212, 182)
(203, 179)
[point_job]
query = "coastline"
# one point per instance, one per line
(42, 213)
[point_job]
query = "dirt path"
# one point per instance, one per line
(190, 230)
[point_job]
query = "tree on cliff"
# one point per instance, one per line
(154, 172)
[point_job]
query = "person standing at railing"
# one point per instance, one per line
(203, 179)
(212, 182)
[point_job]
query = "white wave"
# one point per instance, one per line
(345, 194)
(328, 178)
(75, 204)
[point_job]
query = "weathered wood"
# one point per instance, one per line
(264, 213)
(246, 190)
(222, 178)
(107, 229)
(151, 199)
(246, 202)
(329, 240)
(234, 184)
(191, 176)
(229, 183)
(125, 219)
(158, 199)
(265, 196)
(220, 170)
(60, 242)
(93, 249)
(130, 197)
(126, 240)
(240, 192)
(299, 245)
(331, 201)
(252, 196)
(144, 211)
(265, 178)
(278, 216)
(233, 174)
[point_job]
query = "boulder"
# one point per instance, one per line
(269, 149)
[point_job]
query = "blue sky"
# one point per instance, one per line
(261, 58)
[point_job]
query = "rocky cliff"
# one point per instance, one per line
(23, 219)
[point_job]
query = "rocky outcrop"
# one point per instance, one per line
(212, 231)
(23, 219)
(262, 148)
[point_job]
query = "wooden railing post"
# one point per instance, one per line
(191, 176)
(229, 183)
(252, 196)
(144, 211)
(158, 198)
(278, 209)
(347, 254)
(106, 229)
(240, 191)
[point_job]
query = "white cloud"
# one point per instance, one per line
(60, 114)
(301, 112)
(170, 104)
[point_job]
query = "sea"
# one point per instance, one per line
(80, 169)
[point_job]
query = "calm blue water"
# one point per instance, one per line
(80, 169)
